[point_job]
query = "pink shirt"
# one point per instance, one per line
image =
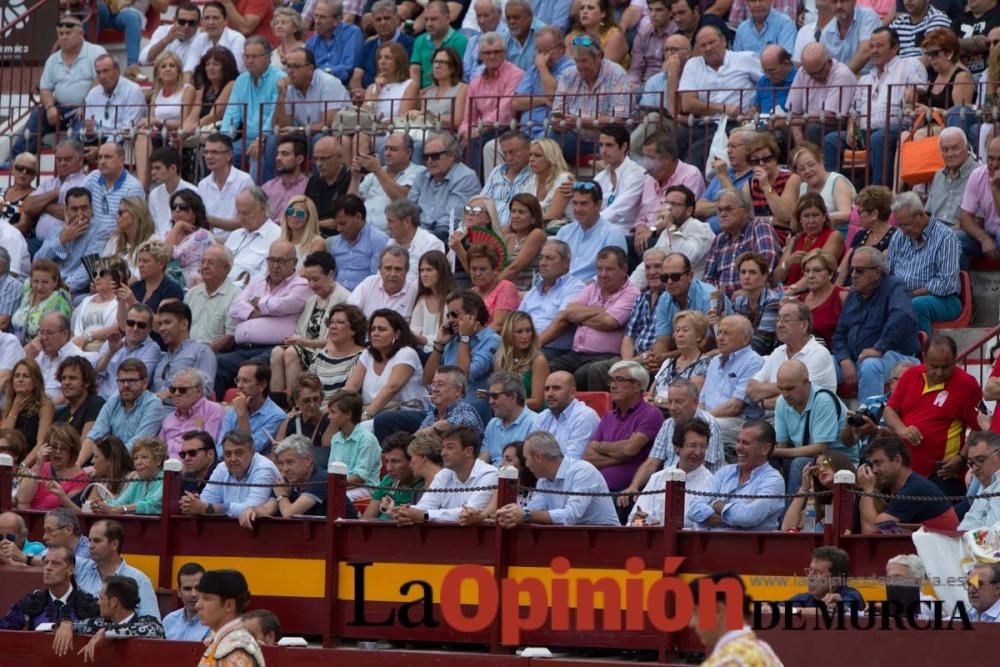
(45, 499)
(502, 297)
(654, 196)
(370, 295)
(279, 308)
(278, 193)
(619, 305)
(978, 200)
(483, 96)
(205, 415)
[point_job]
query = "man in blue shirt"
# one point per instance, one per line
(357, 246)
(183, 625)
(107, 539)
(133, 414)
(554, 289)
(827, 583)
(443, 188)
(386, 24)
(540, 78)
(512, 420)
(779, 72)
(682, 291)
(251, 107)
(336, 44)
(489, 18)
(765, 26)
(590, 233)
(751, 475)
(523, 28)
(240, 464)
(553, 12)
(252, 410)
(465, 341)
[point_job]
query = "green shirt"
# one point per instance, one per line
(360, 453)
(423, 52)
(401, 494)
(146, 496)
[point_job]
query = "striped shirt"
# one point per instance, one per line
(932, 262)
(911, 35)
(609, 96)
(641, 327)
(10, 294)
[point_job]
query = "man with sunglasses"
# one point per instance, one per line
(133, 414)
(682, 292)
(135, 344)
(443, 188)
(193, 410)
(197, 455)
(177, 36)
(15, 547)
(983, 449)
(173, 322)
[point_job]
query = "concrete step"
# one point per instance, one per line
(985, 298)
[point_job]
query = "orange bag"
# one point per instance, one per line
(920, 159)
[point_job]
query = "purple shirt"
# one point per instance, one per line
(619, 305)
(643, 418)
(205, 415)
(279, 308)
(654, 196)
(978, 199)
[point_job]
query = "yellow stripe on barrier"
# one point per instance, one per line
(279, 577)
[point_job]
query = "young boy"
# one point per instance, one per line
(356, 447)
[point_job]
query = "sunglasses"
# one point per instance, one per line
(137, 324)
(295, 213)
(191, 453)
(584, 185)
(22, 169)
(672, 277)
(9, 537)
(180, 207)
(69, 24)
(477, 210)
(433, 156)
(757, 161)
(583, 40)
(187, 22)
(934, 53)
(179, 390)
(495, 395)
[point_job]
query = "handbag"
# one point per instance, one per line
(103, 491)
(350, 120)
(920, 159)
(416, 126)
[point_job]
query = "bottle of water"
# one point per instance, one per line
(809, 521)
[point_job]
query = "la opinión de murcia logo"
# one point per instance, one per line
(12, 10)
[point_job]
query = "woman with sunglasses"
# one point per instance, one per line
(346, 330)
(774, 191)
(189, 237)
(597, 17)
(193, 411)
(836, 189)
(524, 238)
(109, 467)
(25, 405)
(817, 234)
(300, 227)
(520, 352)
(953, 85)
(144, 493)
(24, 171)
(57, 459)
(436, 282)
(133, 226)
(481, 212)
(307, 416)
(44, 293)
(444, 100)
(96, 318)
(553, 185)
(690, 363)
(389, 374)
(816, 476)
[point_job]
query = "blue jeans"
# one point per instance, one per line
(874, 372)
(568, 141)
(930, 308)
(833, 151)
(251, 166)
(971, 247)
(964, 118)
(38, 126)
(129, 21)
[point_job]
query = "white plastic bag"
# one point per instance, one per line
(719, 150)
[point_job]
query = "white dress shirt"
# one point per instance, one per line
(221, 202)
(370, 295)
(621, 203)
(159, 206)
(250, 251)
(699, 479)
(573, 428)
(180, 47)
(447, 506)
(693, 239)
(118, 111)
(230, 39)
(734, 82)
(818, 361)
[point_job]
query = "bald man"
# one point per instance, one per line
(328, 182)
(807, 423)
(570, 420)
(817, 87)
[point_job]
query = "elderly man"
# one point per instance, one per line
(336, 42)
(220, 188)
(329, 182)
(544, 457)
(682, 405)
(659, 91)
(489, 19)
(464, 340)
(925, 259)
(724, 393)
(385, 21)
(449, 404)
(590, 95)
(178, 36)
(877, 328)
(688, 444)
(215, 33)
(113, 106)
(887, 470)
(848, 37)
(251, 108)
(62, 530)
(405, 231)
(133, 414)
(523, 29)
(443, 188)
(590, 233)
(264, 313)
(107, 541)
(45, 208)
(599, 313)
(571, 420)
(386, 184)
(821, 85)
(389, 288)
(513, 176)
(735, 175)
(712, 83)
(807, 421)
(912, 25)
(826, 580)
(534, 93)
(765, 26)
(740, 233)
(892, 83)
(774, 86)
(50, 347)
(438, 34)
(135, 344)
(357, 246)
(622, 179)
(984, 592)
(554, 289)
(197, 455)
(512, 420)
(665, 170)
(306, 495)
(750, 475)
(624, 436)
(240, 464)
(252, 240)
(184, 624)
(192, 411)
(66, 79)
(173, 322)
(58, 601)
(15, 547)
(977, 216)
(944, 198)
(930, 409)
(212, 299)
(982, 447)
(793, 329)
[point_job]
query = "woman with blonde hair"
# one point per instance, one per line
(26, 408)
(300, 227)
(133, 227)
(553, 184)
(170, 101)
(481, 212)
(153, 285)
(144, 493)
(520, 353)
(289, 28)
(690, 329)
(96, 318)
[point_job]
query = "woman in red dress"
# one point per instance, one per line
(817, 233)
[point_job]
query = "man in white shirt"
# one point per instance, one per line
(389, 288)
(50, 347)
(222, 184)
(178, 36)
(680, 232)
(985, 464)
(113, 106)
(385, 184)
(718, 81)
(622, 180)
(403, 217)
(250, 243)
(214, 32)
(462, 469)
(164, 167)
(572, 421)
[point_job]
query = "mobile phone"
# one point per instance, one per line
(117, 277)
(982, 407)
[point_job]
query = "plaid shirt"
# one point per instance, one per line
(641, 327)
(610, 95)
(756, 236)
(739, 12)
(459, 413)
(10, 294)
(766, 319)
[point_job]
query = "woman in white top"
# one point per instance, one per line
(393, 93)
(553, 182)
(436, 282)
(388, 373)
(836, 189)
(96, 318)
(171, 99)
(289, 28)
(133, 227)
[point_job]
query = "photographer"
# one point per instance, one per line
(867, 421)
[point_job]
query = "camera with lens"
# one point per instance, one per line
(873, 412)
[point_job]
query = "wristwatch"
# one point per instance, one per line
(526, 515)
(465, 339)
(427, 516)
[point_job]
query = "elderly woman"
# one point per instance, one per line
(500, 296)
(690, 363)
(824, 298)
(773, 190)
(24, 171)
(193, 411)
(306, 416)
(289, 28)
(491, 97)
(836, 189)
(44, 292)
(300, 227)
(874, 211)
(389, 374)
(817, 233)
(757, 301)
(346, 330)
(553, 185)
(96, 318)
(58, 459)
(153, 285)
(739, 230)
(134, 226)
(299, 350)
(144, 494)
(445, 99)
(188, 238)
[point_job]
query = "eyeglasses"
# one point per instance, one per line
(295, 213)
(191, 453)
(757, 161)
(322, 158)
(433, 156)
(672, 277)
(69, 24)
(50, 332)
(583, 40)
(180, 207)
(186, 22)
(136, 324)
(309, 400)
(22, 169)
(441, 62)
(128, 381)
(58, 449)
(979, 461)
(584, 185)
(932, 53)
(476, 210)
(280, 260)
(862, 269)
(179, 390)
